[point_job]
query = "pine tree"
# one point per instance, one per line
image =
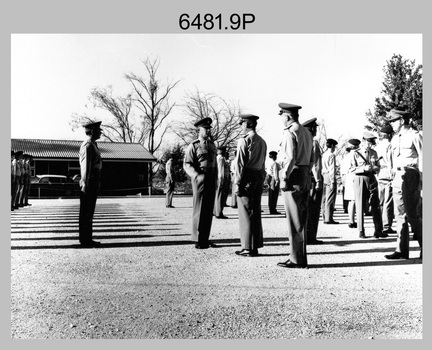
(402, 89)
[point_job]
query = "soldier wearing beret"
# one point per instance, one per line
(407, 153)
(222, 182)
(296, 150)
(170, 182)
(329, 176)
(90, 165)
(200, 165)
(316, 191)
(364, 165)
(273, 183)
(385, 178)
(249, 181)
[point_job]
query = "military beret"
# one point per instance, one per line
(367, 135)
(354, 142)
(310, 122)
(204, 123)
(92, 125)
(395, 114)
(248, 117)
(288, 107)
(387, 129)
(272, 154)
(331, 142)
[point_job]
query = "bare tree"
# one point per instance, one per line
(226, 129)
(151, 97)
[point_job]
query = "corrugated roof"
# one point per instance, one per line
(70, 149)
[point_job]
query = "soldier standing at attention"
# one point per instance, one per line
(365, 164)
(200, 165)
(385, 177)
(170, 182)
(296, 149)
(329, 176)
(249, 181)
(91, 165)
(220, 198)
(316, 192)
(274, 185)
(407, 152)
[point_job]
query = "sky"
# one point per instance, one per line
(334, 77)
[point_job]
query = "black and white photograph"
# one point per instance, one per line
(216, 182)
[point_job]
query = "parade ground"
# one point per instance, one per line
(148, 281)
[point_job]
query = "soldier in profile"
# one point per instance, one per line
(200, 165)
(90, 165)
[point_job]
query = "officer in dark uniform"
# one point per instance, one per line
(200, 165)
(407, 154)
(296, 150)
(316, 192)
(249, 181)
(91, 165)
(273, 183)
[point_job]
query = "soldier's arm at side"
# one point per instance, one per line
(188, 163)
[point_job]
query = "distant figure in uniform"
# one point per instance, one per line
(249, 182)
(344, 166)
(232, 171)
(26, 180)
(227, 179)
(364, 165)
(18, 178)
(221, 184)
(316, 191)
(349, 193)
(296, 150)
(91, 165)
(170, 182)
(329, 176)
(13, 175)
(407, 152)
(200, 165)
(274, 183)
(385, 177)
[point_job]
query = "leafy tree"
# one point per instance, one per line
(402, 88)
(226, 129)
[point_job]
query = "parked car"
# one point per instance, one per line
(53, 186)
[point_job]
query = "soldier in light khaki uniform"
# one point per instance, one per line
(221, 184)
(329, 177)
(91, 165)
(249, 182)
(297, 161)
(407, 153)
(200, 164)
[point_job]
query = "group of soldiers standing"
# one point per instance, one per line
(20, 179)
(386, 184)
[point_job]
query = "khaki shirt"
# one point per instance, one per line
(317, 165)
(329, 166)
(361, 159)
(274, 170)
(407, 149)
(90, 161)
(169, 169)
(200, 154)
(296, 148)
(384, 151)
(221, 165)
(251, 154)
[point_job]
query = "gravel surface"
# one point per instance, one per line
(149, 282)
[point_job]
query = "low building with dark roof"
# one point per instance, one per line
(125, 166)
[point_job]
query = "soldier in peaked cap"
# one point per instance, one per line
(365, 164)
(330, 185)
(296, 150)
(407, 155)
(316, 191)
(91, 165)
(249, 180)
(273, 183)
(385, 177)
(200, 164)
(222, 182)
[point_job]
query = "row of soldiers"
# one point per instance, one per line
(307, 180)
(20, 179)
